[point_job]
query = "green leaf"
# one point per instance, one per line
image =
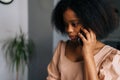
(18, 50)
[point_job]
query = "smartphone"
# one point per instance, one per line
(79, 40)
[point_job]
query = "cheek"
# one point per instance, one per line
(78, 30)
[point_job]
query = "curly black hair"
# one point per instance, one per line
(98, 15)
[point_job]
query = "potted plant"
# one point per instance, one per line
(17, 50)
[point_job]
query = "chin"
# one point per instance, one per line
(74, 40)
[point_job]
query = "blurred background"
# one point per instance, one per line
(34, 17)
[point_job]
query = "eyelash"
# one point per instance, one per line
(74, 24)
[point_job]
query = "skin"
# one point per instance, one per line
(86, 51)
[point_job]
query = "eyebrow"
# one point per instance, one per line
(74, 20)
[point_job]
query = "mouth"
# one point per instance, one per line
(73, 37)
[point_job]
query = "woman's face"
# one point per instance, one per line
(72, 24)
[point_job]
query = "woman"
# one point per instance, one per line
(84, 56)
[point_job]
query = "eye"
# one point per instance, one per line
(74, 24)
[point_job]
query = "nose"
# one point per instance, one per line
(69, 29)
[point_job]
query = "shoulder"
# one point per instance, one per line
(60, 43)
(109, 68)
(113, 52)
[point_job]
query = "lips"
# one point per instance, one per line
(73, 37)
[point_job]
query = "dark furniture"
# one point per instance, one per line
(115, 44)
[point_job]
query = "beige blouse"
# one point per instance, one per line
(107, 63)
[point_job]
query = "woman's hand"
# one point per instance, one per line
(88, 49)
(89, 42)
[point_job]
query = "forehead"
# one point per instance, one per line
(70, 15)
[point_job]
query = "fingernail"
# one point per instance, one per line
(78, 33)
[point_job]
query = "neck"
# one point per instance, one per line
(99, 46)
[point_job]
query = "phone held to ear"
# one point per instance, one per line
(79, 40)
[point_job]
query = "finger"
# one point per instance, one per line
(92, 34)
(82, 37)
(85, 33)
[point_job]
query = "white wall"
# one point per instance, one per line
(12, 16)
